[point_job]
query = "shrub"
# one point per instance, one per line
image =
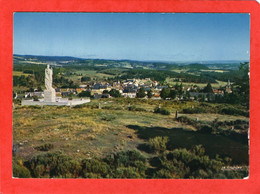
(85, 94)
(238, 174)
(127, 172)
(234, 111)
(53, 165)
(129, 164)
(182, 163)
(186, 120)
(45, 147)
(35, 107)
(205, 129)
(158, 144)
(134, 108)
(162, 111)
(125, 159)
(112, 107)
(195, 110)
(166, 174)
(19, 170)
(108, 117)
(94, 168)
(198, 150)
(79, 106)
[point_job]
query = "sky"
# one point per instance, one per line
(134, 36)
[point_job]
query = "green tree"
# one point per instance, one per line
(208, 89)
(84, 78)
(85, 94)
(115, 93)
(150, 94)
(140, 93)
(165, 93)
(178, 88)
(242, 84)
(173, 94)
(188, 95)
(105, 92)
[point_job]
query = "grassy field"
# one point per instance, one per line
(201, 85)
(89, 73)
(214, 70)
(19, 73)
(87, 131)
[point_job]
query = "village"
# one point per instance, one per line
(135, 88)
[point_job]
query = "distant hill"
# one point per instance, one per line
(47, 58)
(128, 64)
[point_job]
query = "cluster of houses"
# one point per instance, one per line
(128, 88)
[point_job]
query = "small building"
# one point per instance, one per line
(31, 94)
(156, 96)
(82, 86)
(218, 92)
(97, 91)
(228, 88)
(129, 95)
(79, 90)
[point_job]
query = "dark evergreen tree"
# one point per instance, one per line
(141, 93)
(242, 84)
(105, 92)
(115, 93)
(84, 78)
(165, 93)
(85, 94)
(150, 94)
(173, 94)
(208, 89)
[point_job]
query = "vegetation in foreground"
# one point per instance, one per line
(107, 139)
(178, 163)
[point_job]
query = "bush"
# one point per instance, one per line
(205, 129)
(234, 111)
(45, 147)
(53, 165)
(162, 111)
(20, 171)
(94, 169)
(158, 144)
(188, 121)
(127, 172)
(198, 150)
(126, 159)
(85, 94)
(134, 108)
(108, 117)
(179, 163)
(182, 163)
(112, 107)
(78, 106)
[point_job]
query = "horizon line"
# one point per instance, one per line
(144, 60)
